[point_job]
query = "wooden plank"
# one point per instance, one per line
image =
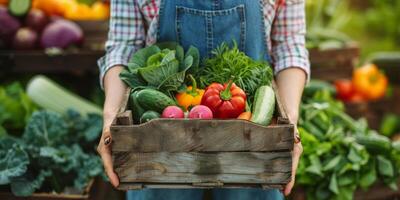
(333, 64)
(201, 136)
(125, 118)
(136, 186)
(226, 167)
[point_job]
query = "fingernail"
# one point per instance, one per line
(107, 140)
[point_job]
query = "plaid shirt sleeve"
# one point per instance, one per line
(288, 37)
(126, 35)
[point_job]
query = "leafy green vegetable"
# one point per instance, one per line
(54, 149)
(14, 160)
(228, 62)
(162, 66)
(341, 154)
(15, 107)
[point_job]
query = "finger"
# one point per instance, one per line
(295, 162)
(108, 167)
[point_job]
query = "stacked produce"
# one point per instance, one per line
(368, 84)
(33, 30)
(47, 148)
(341, 154)
(68, 9)
(231, 83)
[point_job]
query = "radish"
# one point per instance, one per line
(173, 112)
(200, 112)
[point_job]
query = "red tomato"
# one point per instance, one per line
(357, 98)
(344, 89)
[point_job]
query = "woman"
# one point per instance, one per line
(264, 29)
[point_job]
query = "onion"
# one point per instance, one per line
(25, 39)
(8, 25)
(61, 34)
(36, 20)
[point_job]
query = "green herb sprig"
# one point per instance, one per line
(231, 62)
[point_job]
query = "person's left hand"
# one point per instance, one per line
(297, 151)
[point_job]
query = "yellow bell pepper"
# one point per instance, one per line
(191, 97)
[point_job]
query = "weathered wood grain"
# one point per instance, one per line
(125, 118)
(173, 135)
(138, 186)
(226, 167)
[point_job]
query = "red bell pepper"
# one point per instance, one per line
(225, 101)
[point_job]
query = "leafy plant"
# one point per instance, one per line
(162, 67)
(341, 154)
(230, 62)
(15, 107)
(53, 153)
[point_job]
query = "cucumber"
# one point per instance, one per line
(390, 125)
(149, 115)
(150, 99)
(19, 8)
(375, 143)
(263, 106)
(317, 85)
(136, 108)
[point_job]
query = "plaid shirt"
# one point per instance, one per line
(133, 25)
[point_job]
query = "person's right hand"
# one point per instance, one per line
(104, 149)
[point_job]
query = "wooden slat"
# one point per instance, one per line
(138, 186)
(125, 118)
(226, 167)
(201, 136)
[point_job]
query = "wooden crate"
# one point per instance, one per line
(75, 61)
(171, 153)
(49, 196)
(330, 65)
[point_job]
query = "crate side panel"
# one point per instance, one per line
(201, 136)
(226, 167)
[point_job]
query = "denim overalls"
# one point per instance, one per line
(205, 24)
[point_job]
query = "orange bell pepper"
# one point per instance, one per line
(52, 7)
(191, 97)
(100, 11)
(370, 82)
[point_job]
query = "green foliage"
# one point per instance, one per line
(15, 107)
(162, 67)
(228, 63)
(54, 149)
(346, 156)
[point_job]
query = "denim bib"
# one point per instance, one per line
(205, 24)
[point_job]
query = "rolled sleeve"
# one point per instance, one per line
(125, 36)
(288, 38)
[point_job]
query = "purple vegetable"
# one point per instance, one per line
(25, 39)
(61, 34)
(36, 20)
(8, 25)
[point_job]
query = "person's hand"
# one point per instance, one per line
(104, 149)
(297, 151)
